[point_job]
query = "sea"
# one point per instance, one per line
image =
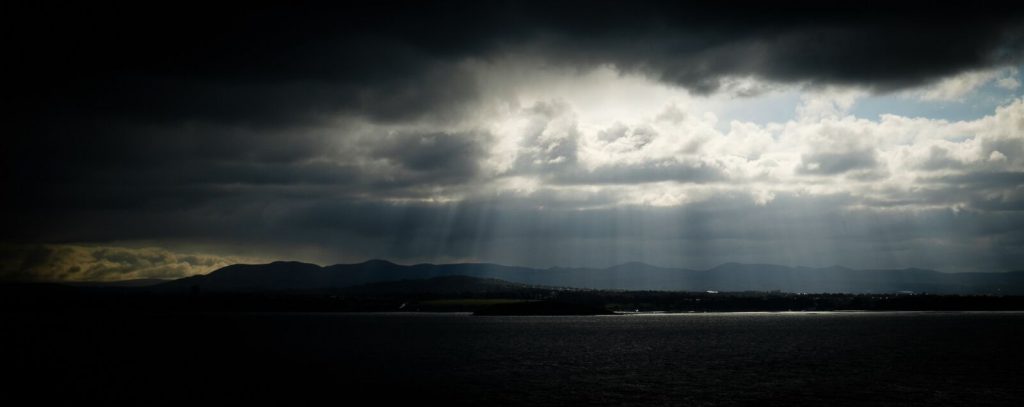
(705, 359)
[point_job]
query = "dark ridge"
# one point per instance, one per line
(378, 263)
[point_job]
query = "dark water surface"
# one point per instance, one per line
(457, 359)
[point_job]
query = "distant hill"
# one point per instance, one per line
(285, 276)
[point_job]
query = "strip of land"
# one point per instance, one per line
(481, 296)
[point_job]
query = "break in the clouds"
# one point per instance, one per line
(578, 133)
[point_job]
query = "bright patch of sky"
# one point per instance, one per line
(598, 95)
(964, 102)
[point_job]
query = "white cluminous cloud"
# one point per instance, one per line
(671, 149)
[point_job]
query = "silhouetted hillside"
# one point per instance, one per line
(289, 276)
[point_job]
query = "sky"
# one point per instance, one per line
(164, 140)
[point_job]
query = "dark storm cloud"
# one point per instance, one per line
(396, 60)
(84, 66)
(252, 66)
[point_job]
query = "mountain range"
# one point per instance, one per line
(291, 276)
